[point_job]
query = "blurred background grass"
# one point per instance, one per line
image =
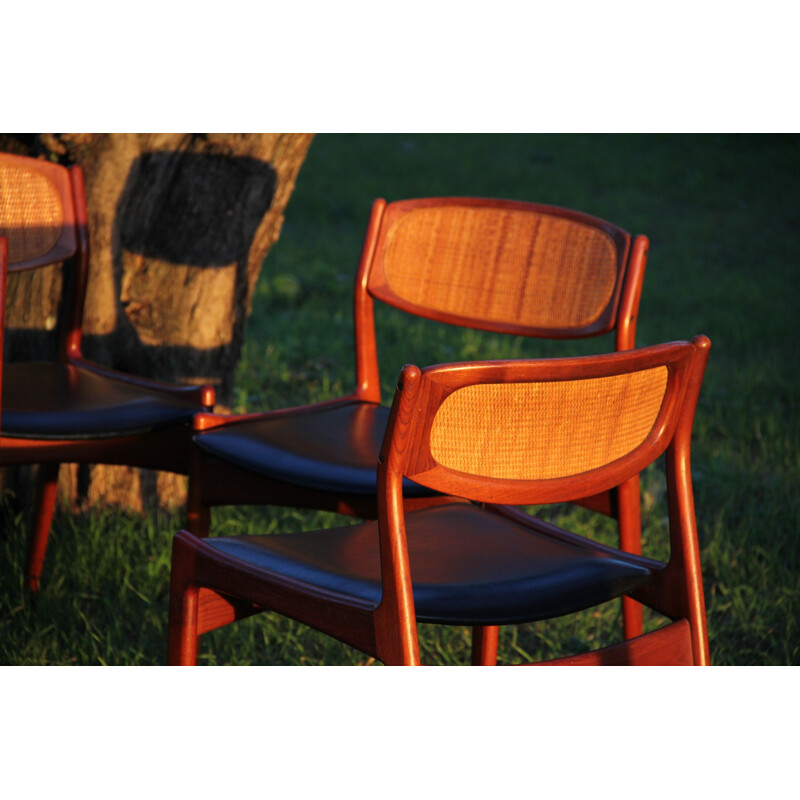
(721, 213)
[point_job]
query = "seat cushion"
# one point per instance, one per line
(54, 401)
(468, 566)
(331, 449)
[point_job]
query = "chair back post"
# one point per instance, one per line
(368, 385)
(684, 547)
(78, 280)
(627, 498)
(396, 626)
(625, 338)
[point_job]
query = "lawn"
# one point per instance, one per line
(721, 213)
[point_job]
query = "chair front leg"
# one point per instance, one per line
(484, 645)
(182, 638)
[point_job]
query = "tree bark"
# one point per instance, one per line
(179, 225)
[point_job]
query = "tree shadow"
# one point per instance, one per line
(194, 210)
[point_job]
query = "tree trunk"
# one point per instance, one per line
(179, 225)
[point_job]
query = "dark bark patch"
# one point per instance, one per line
(194, 208)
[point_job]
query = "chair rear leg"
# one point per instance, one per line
(41, 520)
(198, 520)
(484, 645)
(629, 516)
(632, 618)
(198, 515)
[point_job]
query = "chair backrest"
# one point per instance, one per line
(37, 211)
(543, 431)
(43, 217)
(503, 266)
(497, 265)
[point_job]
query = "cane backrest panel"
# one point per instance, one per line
(500, 265)
(36, 211)
(527, 432)
(537, 431)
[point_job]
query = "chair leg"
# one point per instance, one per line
(182, 638)
(41, 520)
(198, 521)
(632, 618)
(198, 515)
(484, 645)
(629, 515)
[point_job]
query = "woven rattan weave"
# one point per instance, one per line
(502, 264)
(31, 213)
(535, 431)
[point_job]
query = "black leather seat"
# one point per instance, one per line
(512, 576)
(335, 450)
(46, 400)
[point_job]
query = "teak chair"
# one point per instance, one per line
(518, 432)
(502, 266)
(72, 410)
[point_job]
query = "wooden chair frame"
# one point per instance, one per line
(166, 448)
(215, 481)
(211, 588)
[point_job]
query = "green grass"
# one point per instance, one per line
(721, 213)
